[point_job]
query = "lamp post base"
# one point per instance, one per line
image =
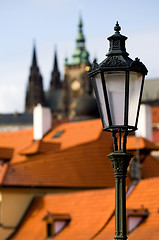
(120, 162)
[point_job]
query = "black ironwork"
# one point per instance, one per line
(118, 60)
(120, 162)
(106, 99)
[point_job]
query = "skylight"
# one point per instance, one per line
(58, 134)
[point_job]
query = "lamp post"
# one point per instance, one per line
(118, 84)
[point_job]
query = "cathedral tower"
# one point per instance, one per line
(54, 95)
(55, 82)
(35, 93)
(78, 100)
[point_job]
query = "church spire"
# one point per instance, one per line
(34, 59)
(80, 54)
(35, 92)
(80, 37)
(55, 82)
(55, 67)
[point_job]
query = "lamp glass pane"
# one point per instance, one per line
(135, 81)
(115, 84)
(98, 89)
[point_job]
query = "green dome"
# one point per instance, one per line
(77, 52)
(84, 56)
(76, 56)
(80, 37)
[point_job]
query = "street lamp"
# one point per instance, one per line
(118, 84)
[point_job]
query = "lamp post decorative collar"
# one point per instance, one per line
(118, 84)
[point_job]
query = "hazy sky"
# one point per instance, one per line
(54, 22)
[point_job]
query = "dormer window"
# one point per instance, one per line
(55, 223)
(135, 217)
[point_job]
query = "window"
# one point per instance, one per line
(58, 134)
(55, 223)
(49, 230)
(135, 217)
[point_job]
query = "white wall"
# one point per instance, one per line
(145, 122)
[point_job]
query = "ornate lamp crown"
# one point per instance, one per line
(117, 57)
(117, 42)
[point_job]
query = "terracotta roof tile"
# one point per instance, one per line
(89, 211)
(76, 158)
(81, 166)
(141, 143)
(144, 195)
(76, 133)
(3, 170)
(37, 147)
(150, 167)
(6, 153)
(16, 140)
(147, 195)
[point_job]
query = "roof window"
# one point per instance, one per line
(135, 217)
(55, 223)
(58, 134)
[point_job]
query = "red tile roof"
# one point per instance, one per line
(134, 143)
(77, 158)
(37, 147)
(6, 153)
(16, 140)
(89, 211)
(150, 167)
(92, 214)
(3, 171)
(145, 195)
(81, 166)
(76, 133)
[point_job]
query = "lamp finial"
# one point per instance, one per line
(117, 28)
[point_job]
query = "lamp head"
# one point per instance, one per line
(118, 84)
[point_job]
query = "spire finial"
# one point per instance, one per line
(34, 59)
(80, 23)
(80, 37)
(117, 28)
(55, 67)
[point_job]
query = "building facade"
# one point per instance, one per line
(71, 97)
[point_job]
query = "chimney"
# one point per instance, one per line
(145, 122)
(42, 121)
